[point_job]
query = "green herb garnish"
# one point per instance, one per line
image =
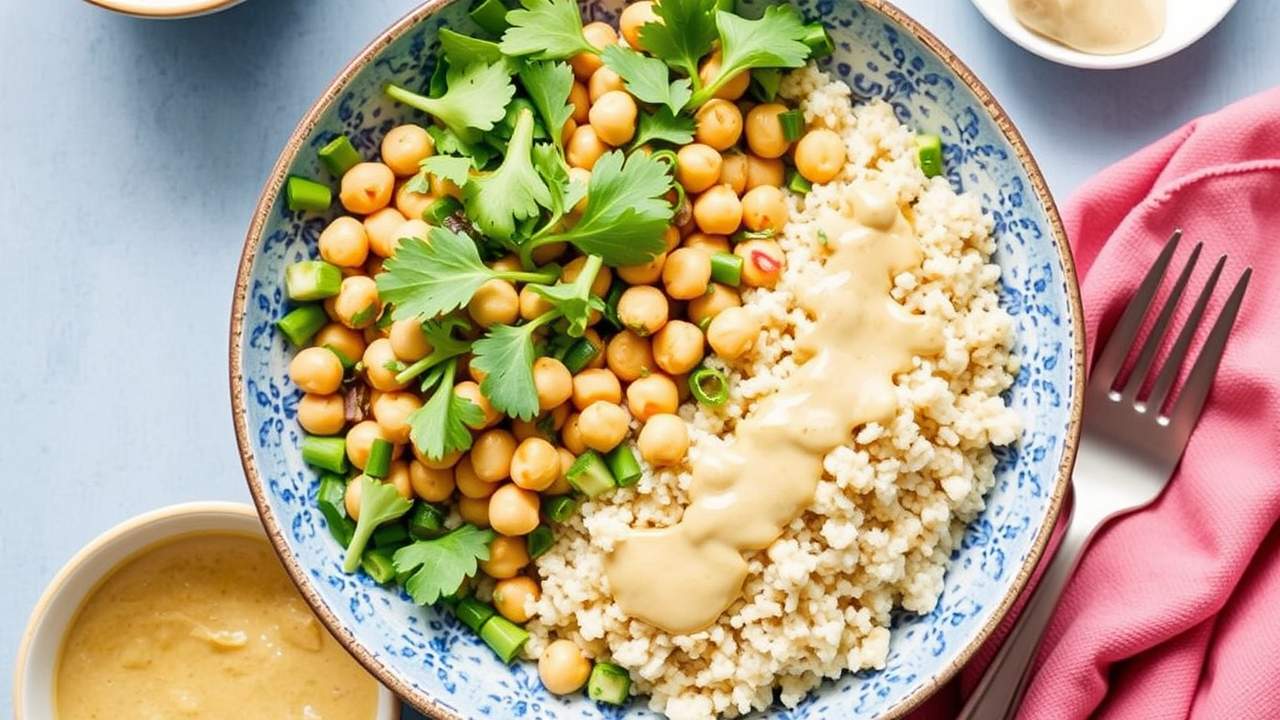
(379, 503)
(687, 30)
(548, 85)
(515, 191)
(545, 30)
(647, 78)
(476, 98)
(775, 40)
(442, 425)
(439, 566)
(453, 168)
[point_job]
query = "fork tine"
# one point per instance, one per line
(1178, 353)
(1186, 409)
(1125, 332)
(1158, 329)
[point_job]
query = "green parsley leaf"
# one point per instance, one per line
(565, 191)
(647, 78)
(774, 41)
(548, 85)
(439, 566)
(432, 277)
(545, 30)
(506, 356)
(687, 30)
(443, 424)
(574, 300)
(379, 503)
(453, 168)
(444, 345)
(476, 98)
(662, 125)
(496, 200)
(448, 143)
(463, 50)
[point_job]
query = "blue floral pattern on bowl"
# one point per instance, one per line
(443, 667)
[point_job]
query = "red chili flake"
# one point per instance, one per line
(765, 262)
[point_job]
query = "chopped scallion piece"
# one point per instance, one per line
(377, 564)
(559, 508)
(379, 462)
(330, 498)
(491, 15)
(327, 453)
(792, 124)
(726, 269)
(392, 535)
(611, 303)
(306, 194)
(579, 355)
(609, 683)
(312, 280)
(589, 475)
(709, 386)
(929, 149)
(798, 184)
(302, 323)
(623, 465)
(426, 522)
(339, 156)
(473, 613)
(818, 40)
(504, 637)
(540, 540)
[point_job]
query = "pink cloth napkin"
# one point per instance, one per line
(1175, 610)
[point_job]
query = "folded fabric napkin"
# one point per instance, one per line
(1174, 611)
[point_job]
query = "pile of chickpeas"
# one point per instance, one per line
(672, 312)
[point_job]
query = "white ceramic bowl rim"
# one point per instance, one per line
(169, 9)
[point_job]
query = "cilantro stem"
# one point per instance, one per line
(425, 364)
(538, 240)
(544, 276)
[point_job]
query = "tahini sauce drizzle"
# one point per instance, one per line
(1101, 27)
(681, 578)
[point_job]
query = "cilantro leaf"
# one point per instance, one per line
(662, 125)
(444, 345)
(565, 191)
(462, 50)
(687, 30)
(647, 78)
(476, 98)
(453, 168)
(439, 275)
(379, 503)
(514, 191)
(574, 300)
(774, 41)
(443, 424)
(439, 566)
(545, 30)
(548, 85)
(506, 355)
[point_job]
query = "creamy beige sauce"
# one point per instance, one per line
(206, 626)
(1101, 27)
(744, 493)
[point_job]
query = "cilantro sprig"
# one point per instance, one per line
(442, 425)
(776, 40)
(515, 191)
(476, 97)
(440, 566)
(647, 78)
(684, 36)
(548, 85)
(379, 503)
(545, 30)
(453, 168)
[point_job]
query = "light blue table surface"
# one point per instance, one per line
(131, 155)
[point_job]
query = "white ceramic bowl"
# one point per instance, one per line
(165, 9)
(33, 697)
(1187, 22)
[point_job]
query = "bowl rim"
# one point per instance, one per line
(82, 563)
(144, 9)
(262, 212)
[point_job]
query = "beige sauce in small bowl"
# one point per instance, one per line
(1101, 27)
(205, 626)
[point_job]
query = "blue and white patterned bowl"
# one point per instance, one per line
(440, 666)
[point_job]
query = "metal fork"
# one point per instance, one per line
(1129, 447)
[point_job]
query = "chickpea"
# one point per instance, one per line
(535, 464)
(643, 309)
(404, 146)
(348, 344)
(431, 484)
(712, 244)
(762, 262)
(366, 187)
(604, 425)
(470, 390)
(491, 455)
(468, 484)
(411, 228)
(525, 429)
(718, 298)
(475, 511)
(381, 227)
(344, 243)
(561, 485)
(442, 463)
(764, 130)
(408, 341)
(687, 272)
(351, 498)
(820, 155)
(645, 274)
(571, 435)
(698, 167)
(718, 211)
(732, 332)
(603, 81)
(563, 668)
(507, 557)
(398, 477)
(581, 175)
(553, 381)
(392, 410)
(762, 171)
(651, 395)
(381, 366)
(594, 385)
(440, 187)
(599, 286)
(513, 510)
(633, 17)
(628, 356)
(316, 370)
(532, 304)
(677, 347)
(495, 303)
(599, 35)
(507, 263)
(719, 124)
(733, 171)
(559, 415)
(356, 304)
(511, 595)
(614, 117)
(580, 98)
(322, 414)
(360, 438)
(412, 204)
(663, 440)
(732, 90)
(764, 208)
(585, 148)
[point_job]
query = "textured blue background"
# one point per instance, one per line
(133, 155)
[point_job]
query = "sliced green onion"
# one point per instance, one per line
(504, 637)
(929, 150)
(302, 323)
(798, 184)
(327, 453)
(589, 475)
(306, 194)
(379, 462)
(392, 535)
(579, 355)
(726, 269)
(339, 155)
(540, 540)
(426, 522)
(611, 303)
(473, 613)
(331, 499)
(609, 683)
(559, 508)
(377, 564)
(709, 386)
(818, 40)
(312, 280)
(792, 124)
(442, 208)
(623, 465)
(491, 16)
